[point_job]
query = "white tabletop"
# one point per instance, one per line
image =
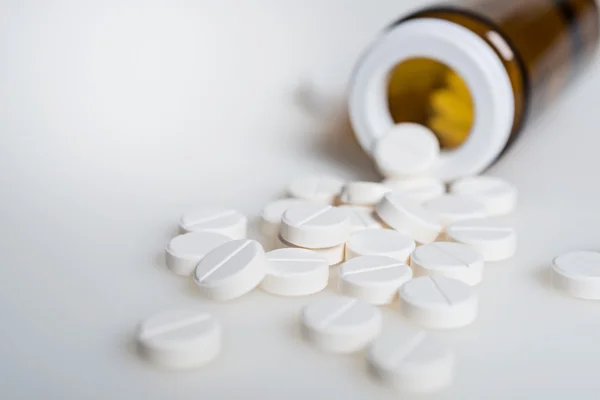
(116, 118)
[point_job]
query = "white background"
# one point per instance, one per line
(115, 117)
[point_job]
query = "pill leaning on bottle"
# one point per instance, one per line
(315, 226)
(295, 272)
(452, 260)
(498, 196)
(215, 219)
(382, 242)
(495, 240)
(577, 274)
(184, 252)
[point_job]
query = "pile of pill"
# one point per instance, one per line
(407, 239)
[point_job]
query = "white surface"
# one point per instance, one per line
(495, 240)
(114, 119)
(184, 252)
(578, 274)
(215, 219)
(295, 272)
(420, 189)
(380, 242)
(497, 195)
(452, 260)
(315, 226)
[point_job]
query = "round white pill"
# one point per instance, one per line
(321, 189)
(334, 255)
(408, 149)
(578, 274)
(315, 226)
(295, 272)
(374, 279)
(380, 242)
(363, 193)
(452, 260)
(361, 218)
(179, 339)
(271, 214)
(231, 270)
(213, 219)
(438, 302)
(184, 252)
(340, 324)
(495, 240)
(450, 208)
(406, 215)
(498, 196)
(412, 362)
(420, 189)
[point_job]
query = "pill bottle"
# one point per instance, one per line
(476, 73)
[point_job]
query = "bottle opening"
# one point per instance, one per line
(427, 92)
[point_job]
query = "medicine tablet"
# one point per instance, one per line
(231, 270)
(184, 252)
(340, 324)
(212, 219)
(315, 226)
(452, 260)
(374, 279)
(412, 362)
(406, 215)
(438, 302)
(381, 242)
(334, 255)
(495, 240)
(295, 272)
(321, 189)
(361, 218)
(363, 193)
(451, 208)
(272, 213)
(578, 274)
(408, 149)
(420, 189)
(498, 196)
(179, 339)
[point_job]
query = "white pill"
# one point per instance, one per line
(363, 193)
(438, 302)
(578, 274)
(184, 252)
(452, 260)
(321, 189)
(334, 255)
(412, 362)
(315, 226)
(340, 324)
(380, 242)
(179, 339)
(495, 240)
(498, 196)
(408, 149)
(295, 272)
(374, 279)
(231, 270)
(406, 215)
(272, 213)
(213, 219)
(420, 189)
(361, 218)
(450, 208)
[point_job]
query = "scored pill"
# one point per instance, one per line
(295, 272)
(334, 255)
(363, 193)
(451, 208)
(361, 218)
(184, 252)
(495, 240)
(452, 260)
(315, 226)
(420, 189)
(498, 196)
(214, 219)
(382, 242)
(321, 189)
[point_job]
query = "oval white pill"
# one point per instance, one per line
(340, 324)
(408, 149)
(231, 270)
(495, 240)
(179, 339)
(451, 208)
(412, 362)
(272, 213)
(420, 189)
(295, 272)
(213, 219)
(452, 260)
(184, 252)
(315, 226)
(361, 218)
(578, 274)
(406, 215)
(438, 302)
(322, 189)
(498, 196)
(334, 255)
(374, 279)
(381, 242)
(363, 193)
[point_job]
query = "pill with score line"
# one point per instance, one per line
(452, 260)
(315, 226)
(215, 219)
(495, 240)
